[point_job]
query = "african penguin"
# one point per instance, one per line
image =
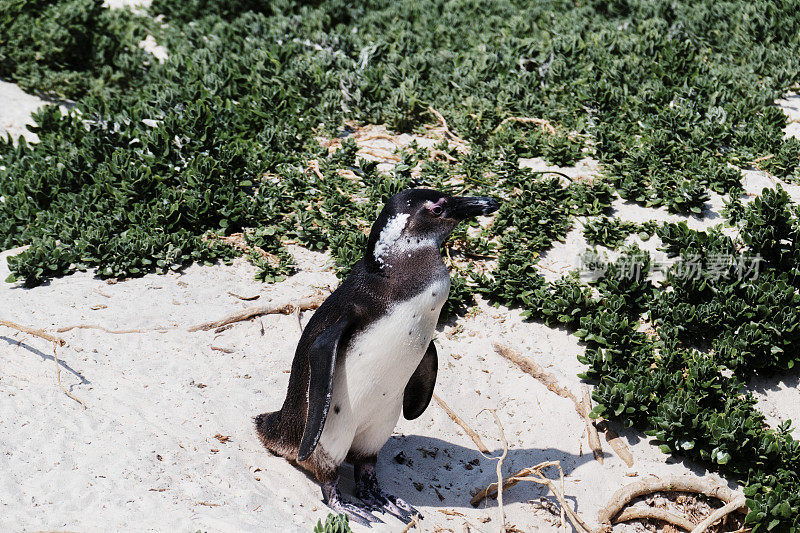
(367, 352)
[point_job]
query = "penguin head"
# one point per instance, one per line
(417, 219)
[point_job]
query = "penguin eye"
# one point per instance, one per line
(436, 210)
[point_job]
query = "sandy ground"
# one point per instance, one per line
(166, 440)
(16, 110)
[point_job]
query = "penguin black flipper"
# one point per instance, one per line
(419, 390)
(321, 361)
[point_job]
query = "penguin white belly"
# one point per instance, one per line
(368, 388)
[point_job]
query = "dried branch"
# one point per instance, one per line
(58, 378)
(446, 128)
(31, 331)
(57, 341)
(379, 153)
(238, 242)
(528, 365)
(248, 298)
(544, 124)
(414, 523)
(223, 349)
(112, 331)
(499, 469)
(442, 155)
(457, 419)
(535, 475)
(272, 308)
(594, 438)
(376, 137)
(313, 166)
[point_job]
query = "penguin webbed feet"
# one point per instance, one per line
(354, 511)
(386, 503)
(368, 491)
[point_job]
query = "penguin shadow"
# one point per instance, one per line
(431, 472)
(48, 357)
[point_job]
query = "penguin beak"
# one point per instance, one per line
(464, 207)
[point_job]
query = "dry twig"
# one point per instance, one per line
(616, 443)
(528, 365)
(377, 137)
(31, 331)
(446, 128)
(544, 124)
(272, 308)
(248, 298)
(441, 154)
(57, 341)
(58, 378)
(223, 349)
(379, 153)
(535, 475)
(457, 419)
(313, 165)
(499, 469)
(414, 523)
(594, 438)
(112, 331)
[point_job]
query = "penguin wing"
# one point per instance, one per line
(322, 361)
(419, 390)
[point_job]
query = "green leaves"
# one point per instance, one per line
(69, 48)
(333, 524)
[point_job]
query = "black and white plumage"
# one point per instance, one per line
(367, 353)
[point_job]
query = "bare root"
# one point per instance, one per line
(616, 443)
(652, 513)
(734, 505)
(624, 495)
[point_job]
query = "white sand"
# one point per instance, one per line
(16, 110)
(143, 455)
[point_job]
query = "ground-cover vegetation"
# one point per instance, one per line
(157, 160)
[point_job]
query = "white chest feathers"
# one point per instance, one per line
(369, 384)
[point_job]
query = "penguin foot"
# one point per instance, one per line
(368, 491)
(386, 503)
(354, 512)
